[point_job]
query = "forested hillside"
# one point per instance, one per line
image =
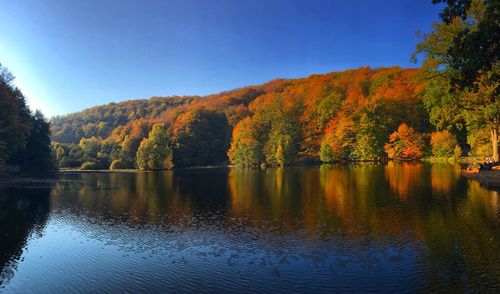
(361, 114)
(99, 121)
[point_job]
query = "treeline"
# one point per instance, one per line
(362, 114)
(100, 121)
(24, 136)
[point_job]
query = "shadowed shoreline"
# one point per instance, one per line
(489, 179)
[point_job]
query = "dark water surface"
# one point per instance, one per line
(385, 228)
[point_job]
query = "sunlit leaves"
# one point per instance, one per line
(246, 150)
(154, 152)
(461, 60)
(405, 144)
(444, 144)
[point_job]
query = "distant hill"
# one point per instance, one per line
(99, 121)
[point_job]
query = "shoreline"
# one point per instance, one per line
(489, 179)
(102, 171)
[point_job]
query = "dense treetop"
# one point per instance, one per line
(347, 115)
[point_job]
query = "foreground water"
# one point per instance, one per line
(385, 228)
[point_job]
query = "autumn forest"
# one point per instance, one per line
(362, 114)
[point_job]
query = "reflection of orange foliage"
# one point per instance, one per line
(350, 193)
(444, 178)
(335, 185)
(405, 179)
(245, 188)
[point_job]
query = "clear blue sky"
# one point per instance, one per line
(70, 55)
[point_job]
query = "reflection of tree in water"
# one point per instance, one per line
(142, 198)
(23, 214)
(452, 224)
(406, 179)
(444, 179)
(463, 241)
(366, 215)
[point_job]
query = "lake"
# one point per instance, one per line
(367, 227)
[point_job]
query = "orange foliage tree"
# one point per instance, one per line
(339, 140)
(246, 150)
(405, 144)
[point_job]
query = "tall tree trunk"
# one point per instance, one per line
(494, 142)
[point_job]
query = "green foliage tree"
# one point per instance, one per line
(37, 155)
(91, 165)
(57, 151)
(326, 152)
(110, 151)
(24, 136)
(444, 144)
(370, 137)
(73, 156)
(154, 152)
(15, 115)
(90, 147)
(281, 146)
(328, 107)
(480, 142)
(482, 106)
(245, 150)
(462, 55)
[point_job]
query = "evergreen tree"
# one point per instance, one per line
(201, 137)
(37, 155)
(24, 137)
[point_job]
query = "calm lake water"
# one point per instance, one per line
(370, 227)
